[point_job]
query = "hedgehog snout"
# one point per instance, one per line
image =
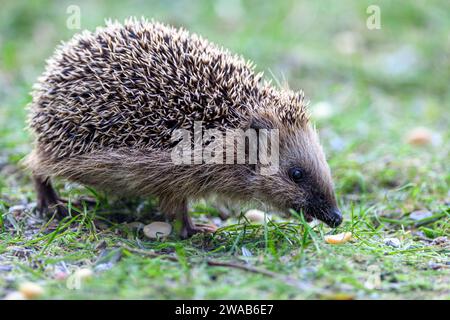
(328, 213)
(333, 218)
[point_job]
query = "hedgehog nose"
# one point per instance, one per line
(334, 218)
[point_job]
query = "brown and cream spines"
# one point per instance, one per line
(132, 85)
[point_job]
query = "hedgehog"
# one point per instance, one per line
(104, 112)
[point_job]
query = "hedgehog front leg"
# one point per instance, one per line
(177, 211)
(189, 228)
(47, 199)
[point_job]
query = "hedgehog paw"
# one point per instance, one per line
(59, 209)
(54, 208)
(48, 202)
(191, 229)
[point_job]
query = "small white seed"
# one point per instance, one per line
(255, 215)
(157, 230)
(338, 238)
(31, 290)
(392, 242)
(84, 273)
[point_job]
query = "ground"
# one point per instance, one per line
(368, 90)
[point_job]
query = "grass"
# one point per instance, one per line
(368, 89)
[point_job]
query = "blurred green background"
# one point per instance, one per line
(370, 91)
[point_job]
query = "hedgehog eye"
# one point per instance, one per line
(296, 175)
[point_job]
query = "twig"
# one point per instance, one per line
(150, 254)
(209, 262)
(215, 263)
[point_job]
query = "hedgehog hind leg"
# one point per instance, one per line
(48, 201)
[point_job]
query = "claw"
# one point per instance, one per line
(191, 229)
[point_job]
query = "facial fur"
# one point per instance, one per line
(312, 193)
